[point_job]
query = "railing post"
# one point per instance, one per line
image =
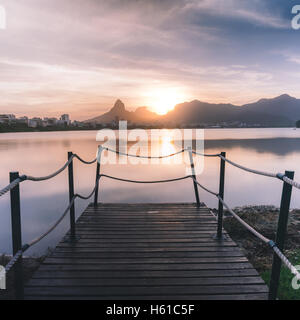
(194, 176)
(100, 149)
(16, 235)
(280, 235)
(221, 195)
(71, 195)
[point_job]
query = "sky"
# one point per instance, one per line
(79, 56)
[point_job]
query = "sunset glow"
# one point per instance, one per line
(162, 101)
(108, 50)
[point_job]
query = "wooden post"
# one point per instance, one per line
(97, 184)
(71, 195)
(280, 235)
(100, 149)
(194, 177)
(16, 235)
(221, 194)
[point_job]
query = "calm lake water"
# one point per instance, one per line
(42, 203)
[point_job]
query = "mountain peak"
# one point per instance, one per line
(284, 97)
(119, 106)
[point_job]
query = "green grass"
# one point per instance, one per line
(286, 291)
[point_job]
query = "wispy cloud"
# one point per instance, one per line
(79, 55)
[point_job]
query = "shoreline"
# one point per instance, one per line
(136, 127)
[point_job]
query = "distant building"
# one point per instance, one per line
(50, 122)
(65, 119)
(39, 121)
(7, 118)
(23, 119)
(32, 123)
(78, 124)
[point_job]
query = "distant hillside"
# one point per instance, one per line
(118, 112)
(283, 106)
(201, 112)
(283, 110)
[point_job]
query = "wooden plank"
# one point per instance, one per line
(145, 251)
(166, 250)
(140, 282)
(143, 244)
(81, 274)
(143, 261)
(149, 240)
(140, 255)
(147, 236)
(145, 290)
(147, 267)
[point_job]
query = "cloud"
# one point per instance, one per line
(255, 12)
(58, 54)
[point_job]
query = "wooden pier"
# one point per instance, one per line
(146, 251)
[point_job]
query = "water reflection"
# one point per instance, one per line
(276, 146)
(41, 153)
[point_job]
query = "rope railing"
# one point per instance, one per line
(279, 176)
(262, 173)
(25, 247)
(142, 157)
(37, 179)
(84, 161)
(11, 186)
(264, 239)
(271, 243)
(205, 154)
(286, 178)
(52, 175)
(291, 182)
(15, 183)
(145, 182)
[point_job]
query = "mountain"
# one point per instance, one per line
(198, 112)
(284, 106)
(118, 112)
(279, 111)
(283, 110)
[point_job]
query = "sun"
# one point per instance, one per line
(164, 100)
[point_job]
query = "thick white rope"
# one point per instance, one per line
(61, 169)
(53, 174)
(267, 174)
(291, 182)
(245, 224)
(272, 244)
(285, 260)
(205, 154)
(10, 186)
(34, 241)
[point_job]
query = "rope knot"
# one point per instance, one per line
(272, 244)
(280, 176)
(23, 177)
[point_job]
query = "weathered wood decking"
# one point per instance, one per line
(146, 251)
